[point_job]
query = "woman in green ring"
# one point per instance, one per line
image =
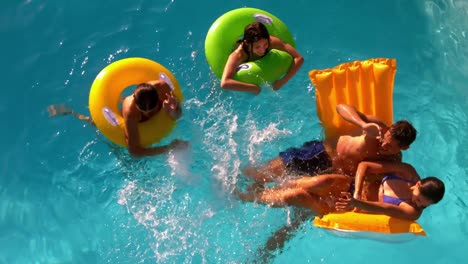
(255, 44)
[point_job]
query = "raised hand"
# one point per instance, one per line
(170, 103)
(372, 129)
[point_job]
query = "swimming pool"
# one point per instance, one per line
(68, 197)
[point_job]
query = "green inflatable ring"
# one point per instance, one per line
(227, 29)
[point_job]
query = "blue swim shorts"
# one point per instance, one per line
(310, 159)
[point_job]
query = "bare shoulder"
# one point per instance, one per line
(236, 57)
(276, 43)
(410, 212)
(409, 172)
(238, 54)
(126, 103)
(272, 38)
(128, 109)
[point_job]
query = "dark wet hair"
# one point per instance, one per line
(432, 188)
(255, 32)
(146, 97)
(252, 33)
(404, 132)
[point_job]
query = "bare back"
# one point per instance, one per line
(347, 151)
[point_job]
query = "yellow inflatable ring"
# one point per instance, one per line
(105, 95)
(367, 85)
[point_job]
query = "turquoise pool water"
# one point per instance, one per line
(66, 196)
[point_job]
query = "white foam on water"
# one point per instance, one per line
(261, 136)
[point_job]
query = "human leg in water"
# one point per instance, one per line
(61, 109)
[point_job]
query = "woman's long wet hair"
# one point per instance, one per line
(432, 188)
(253, 33)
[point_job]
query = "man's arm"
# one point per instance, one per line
(132, 137)
(352, 115)
(172, 106)
(133, 140)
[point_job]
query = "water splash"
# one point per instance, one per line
(180, 161)
(258, 137)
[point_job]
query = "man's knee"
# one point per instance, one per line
(276, 166)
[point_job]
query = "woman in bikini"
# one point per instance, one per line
(400, 194)
(255, 44)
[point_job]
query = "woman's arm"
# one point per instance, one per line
(227, 81)
(366, 168)
(404, 170)
(403, 211)
(359, 179)
(298, 60)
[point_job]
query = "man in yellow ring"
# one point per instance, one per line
(147, 100)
